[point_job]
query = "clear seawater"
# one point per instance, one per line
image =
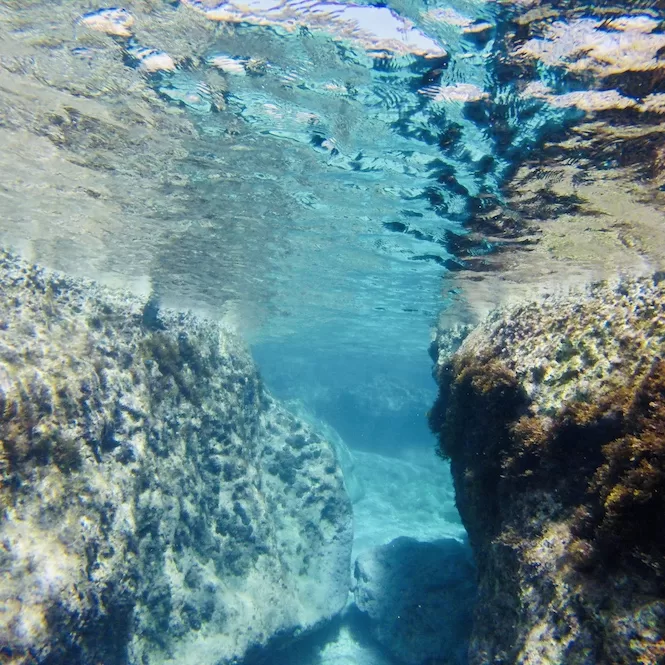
(327, 177)
(332, 178)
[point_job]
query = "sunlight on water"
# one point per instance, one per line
(276, 170)
(334, 180)
(316, 168)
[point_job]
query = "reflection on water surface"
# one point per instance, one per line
(334, 171)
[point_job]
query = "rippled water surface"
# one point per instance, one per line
(334, 173)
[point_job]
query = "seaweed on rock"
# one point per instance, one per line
(553, 416)
(138, 504)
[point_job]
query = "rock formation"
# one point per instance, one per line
(553, 416)
(158, 506)
(419, 598)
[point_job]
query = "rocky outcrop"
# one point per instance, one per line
(158, 506)
(553, 416)
(419, 598)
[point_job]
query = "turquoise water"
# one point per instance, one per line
(333, 179)
(310, 172)
(317, 174)
(328, 177)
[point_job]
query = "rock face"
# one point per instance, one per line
(157, 505)
(419, 598)
(553, 416)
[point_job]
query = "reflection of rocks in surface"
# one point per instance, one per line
(605, 61)
(577, 117)
(552, 415)
(419, 598)
(158, 505)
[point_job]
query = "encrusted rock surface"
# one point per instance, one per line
(553, 416)
(419, 597)
(158, 506)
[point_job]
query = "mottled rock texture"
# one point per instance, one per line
(553, 416)
(419, 598)
(158, 506)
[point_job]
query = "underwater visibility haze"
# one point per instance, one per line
(349, 189)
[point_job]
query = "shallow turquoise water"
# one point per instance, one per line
(328, 176)
(332, 179)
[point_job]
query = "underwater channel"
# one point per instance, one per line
(332, 332)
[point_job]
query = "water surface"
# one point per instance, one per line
(328, 176)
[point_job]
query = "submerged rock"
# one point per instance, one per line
(553, 416)
(158, 506)
(419, 598)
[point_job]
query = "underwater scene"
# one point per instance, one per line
(332, 332)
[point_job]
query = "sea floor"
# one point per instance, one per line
(408, 496)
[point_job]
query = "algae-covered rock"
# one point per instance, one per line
(419, 598)
(158, 506)
(553, 416)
